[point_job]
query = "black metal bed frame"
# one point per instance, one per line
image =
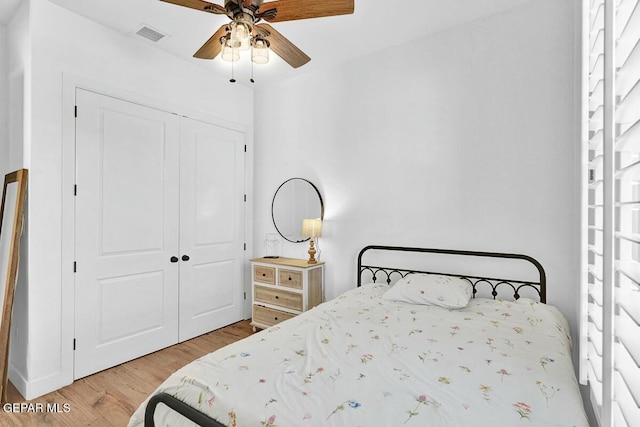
(540, 286)
(389, 274)
(180, 407)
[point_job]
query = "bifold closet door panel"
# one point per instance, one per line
(211, 227)
(127, 216)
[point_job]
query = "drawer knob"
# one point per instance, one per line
(275, 318)
(263, 274)
(290, 278)
(277, 297)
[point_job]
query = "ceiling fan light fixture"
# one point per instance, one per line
(240, 35)
(229, 53)
(246, 26)
(259, 51)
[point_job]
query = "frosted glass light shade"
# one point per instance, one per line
(240, 35)
(229, 53)
(259, 52)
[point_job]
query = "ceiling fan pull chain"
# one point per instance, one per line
(232, 80)
(251, 79)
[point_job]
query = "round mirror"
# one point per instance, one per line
(295, 200)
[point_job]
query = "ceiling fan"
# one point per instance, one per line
(245, 31)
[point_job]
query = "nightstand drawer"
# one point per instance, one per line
(264, 274)
(278, 297)
(269, 316)
(290, 278)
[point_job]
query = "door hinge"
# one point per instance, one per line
(75, 190)
(245, 246)
(74, 343)
(74, 266)
(592, 175)
(75, 111)
(245, 295)
(245, 197)
(245, 148)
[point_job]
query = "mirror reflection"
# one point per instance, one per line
(6, 233)
(295, 200)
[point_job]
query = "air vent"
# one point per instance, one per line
(149, 33)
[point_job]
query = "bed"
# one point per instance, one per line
(400, 348)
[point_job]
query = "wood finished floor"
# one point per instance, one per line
(110, 397)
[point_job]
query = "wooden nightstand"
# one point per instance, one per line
(283, 288)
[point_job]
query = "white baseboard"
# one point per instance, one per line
(39, 387)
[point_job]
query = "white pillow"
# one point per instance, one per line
(431, 289)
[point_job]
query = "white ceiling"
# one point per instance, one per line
(375, 25)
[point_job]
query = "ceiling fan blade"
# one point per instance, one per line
(212, 47)
(204, 6)
(284, 48)
(290, 10)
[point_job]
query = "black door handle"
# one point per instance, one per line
(185, 257)
(174, 259)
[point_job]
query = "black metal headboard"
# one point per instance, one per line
(495, 284)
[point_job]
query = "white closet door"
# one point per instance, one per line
(211, 227)
(127, 211)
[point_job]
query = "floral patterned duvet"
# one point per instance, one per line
(359, 360)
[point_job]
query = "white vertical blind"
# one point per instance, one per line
(595, 233)
(612, 324)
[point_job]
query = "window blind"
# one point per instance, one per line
(610, 361)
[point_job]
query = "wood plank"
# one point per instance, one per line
(110, 397)
(290, 10)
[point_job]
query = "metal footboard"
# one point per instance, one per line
(180, 407)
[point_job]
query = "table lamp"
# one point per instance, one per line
(312, 228)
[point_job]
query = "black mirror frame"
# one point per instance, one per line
(273, 219)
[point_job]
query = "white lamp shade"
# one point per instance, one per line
(312, 227)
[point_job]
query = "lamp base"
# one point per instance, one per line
(312, 252)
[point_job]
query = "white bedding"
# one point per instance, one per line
(359, 360)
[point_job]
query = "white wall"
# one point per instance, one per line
(464, 139)
(18, 102)
(18, 72)
(4, 102)
(68, 50)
